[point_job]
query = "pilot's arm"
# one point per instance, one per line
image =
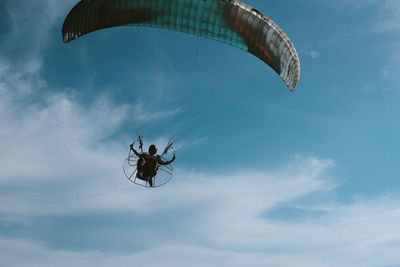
(134, 151)
(161, 162)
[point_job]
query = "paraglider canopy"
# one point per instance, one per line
(228, 21)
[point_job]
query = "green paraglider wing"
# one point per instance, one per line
(228, 21)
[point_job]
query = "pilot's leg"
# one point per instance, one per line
(150, 180)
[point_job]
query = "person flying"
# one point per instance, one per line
(147, 164)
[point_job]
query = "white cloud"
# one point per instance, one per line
(20, 79)
(388, 11)
(20, 253)
(359, 234)
(389, 17)
(381, 22)
(143, 114)
(30, 24)
(314, 54)
(32, 20)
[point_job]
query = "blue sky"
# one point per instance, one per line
(263, 176)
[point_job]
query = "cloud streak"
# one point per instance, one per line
(144, 115)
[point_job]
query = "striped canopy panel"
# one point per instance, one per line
(228, 21)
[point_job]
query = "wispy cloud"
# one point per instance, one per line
(30, 24)
(388, 12)
(314, 54)
(27, 37)
(143, 114)
(381, 22)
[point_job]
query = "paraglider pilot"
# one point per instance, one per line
(147, 164)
